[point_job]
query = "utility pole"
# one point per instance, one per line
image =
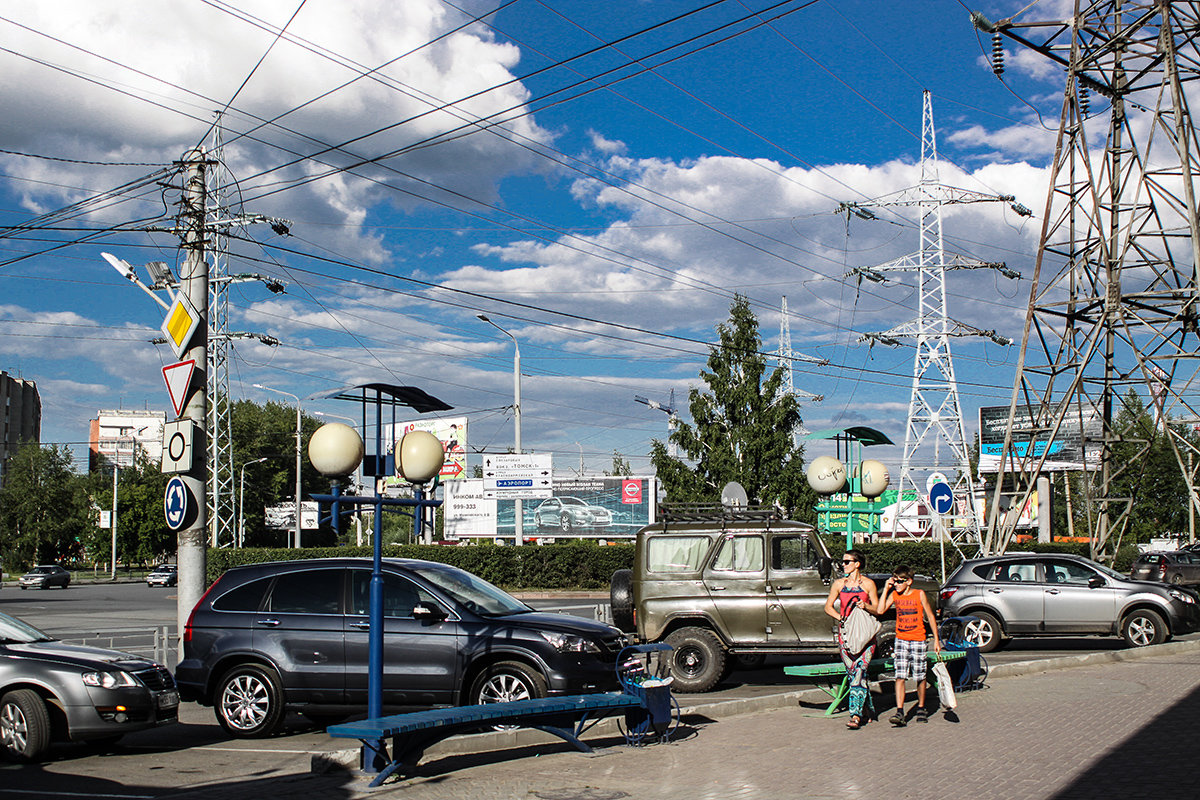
(934, 409)
(192, 540)
(1113, 306)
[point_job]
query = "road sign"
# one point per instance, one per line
(181, 323)
(178, 440)
(934, 478)
(518, 476)
(941, 498)
(177, 504)
(179, 378)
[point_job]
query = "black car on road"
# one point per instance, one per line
(1045, 594)
(53, 691)
(271, 637)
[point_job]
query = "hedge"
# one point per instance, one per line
(587, 566)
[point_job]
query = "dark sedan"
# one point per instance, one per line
(1178, 567)
(44, 577)
(50, 690)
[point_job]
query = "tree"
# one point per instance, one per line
(44, 513)
(142, 536)
(742, 428)
(620, 466)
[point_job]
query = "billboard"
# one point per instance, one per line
(607, 507)
(1076, 447)
(450, 431)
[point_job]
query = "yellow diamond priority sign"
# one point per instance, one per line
(180, 324)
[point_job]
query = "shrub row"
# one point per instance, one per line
(587, 566)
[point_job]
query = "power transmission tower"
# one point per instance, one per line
(785, 357)
(1113, 303)
(934, 410)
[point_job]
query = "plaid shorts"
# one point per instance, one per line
(909, 658)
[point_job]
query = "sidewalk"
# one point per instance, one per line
(1117, 726)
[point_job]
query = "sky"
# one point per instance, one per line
(599, 179)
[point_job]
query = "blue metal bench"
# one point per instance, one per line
(412, 734)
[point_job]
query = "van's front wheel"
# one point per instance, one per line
(698, 661)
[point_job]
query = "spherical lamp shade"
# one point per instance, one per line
(335, 449)
(419, 456)
(875, 477)
(826, 475)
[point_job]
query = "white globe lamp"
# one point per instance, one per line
(335, 449)
(875, 477)
(419, 456)
(826, 475)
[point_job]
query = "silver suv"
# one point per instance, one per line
(1043, 594)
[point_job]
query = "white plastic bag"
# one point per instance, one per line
(944, 686)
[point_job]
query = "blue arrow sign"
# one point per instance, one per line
(176, 503)
(941, 498)
(513, 483)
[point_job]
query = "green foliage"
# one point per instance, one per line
(620, 466)
(44, 513)
(142, 536)
(573, 565)
(742, 428)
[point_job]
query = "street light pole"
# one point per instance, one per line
(518, 509)
(241, 527)
(299, 438)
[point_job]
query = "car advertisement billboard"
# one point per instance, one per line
(608, 507)
(1075, 447)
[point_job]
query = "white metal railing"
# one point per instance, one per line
(159, 643)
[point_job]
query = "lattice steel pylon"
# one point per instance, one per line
(934, 410)
(785, 357)
(221, 511)
(1113, 302)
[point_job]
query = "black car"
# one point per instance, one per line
(45, 576)
(51, 691)
(1171, 567)
(293, 635)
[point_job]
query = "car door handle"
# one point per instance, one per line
(270, 623)
(995, 591)
(362, 626)
(716, 588)
(1052, 591)
(782, 587)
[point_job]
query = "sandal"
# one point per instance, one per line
(854, 723)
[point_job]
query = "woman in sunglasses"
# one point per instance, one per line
(853, 589)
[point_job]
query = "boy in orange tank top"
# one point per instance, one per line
(912, 610)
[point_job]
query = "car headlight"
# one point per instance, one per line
(108, 680)
(569, 643)
(1181, 596)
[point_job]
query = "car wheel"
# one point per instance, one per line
(620, 597)
(507, 681)
(564, 523)
(698, 661)
(1143, 628)
(985, 633)
(24, 725)
(249, 702)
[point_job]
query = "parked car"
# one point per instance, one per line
(266, 638)
(44, 577)
(727, 587)
(570, 514)
(53, 691)
(1178, 567)
(1029, 594)
(163, 575)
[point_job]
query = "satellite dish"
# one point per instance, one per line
(734, 495)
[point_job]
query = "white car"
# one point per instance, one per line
(570, 513)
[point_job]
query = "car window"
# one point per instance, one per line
(1151, 558)
(400, 595)
(1069, 573)
(675, 553)
(740, 554)
(1014, 572)
(309, 591)
(793, 552)
(247, 597)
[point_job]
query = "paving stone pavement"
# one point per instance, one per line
(1121, 730)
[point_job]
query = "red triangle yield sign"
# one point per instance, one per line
(179, 378)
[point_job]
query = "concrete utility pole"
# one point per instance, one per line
(192, 540)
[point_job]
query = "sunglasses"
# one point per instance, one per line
(900, 580)
(849, 561)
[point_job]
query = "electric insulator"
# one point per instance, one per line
(1085, 100)
(997, 55)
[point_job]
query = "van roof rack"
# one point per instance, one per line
(716, 512)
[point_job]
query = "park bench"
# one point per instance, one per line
(647, 705)
(833, 680)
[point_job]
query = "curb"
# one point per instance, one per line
(525, 737)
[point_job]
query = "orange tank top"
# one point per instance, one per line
(910, 621)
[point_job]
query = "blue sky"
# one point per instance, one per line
(606, 229)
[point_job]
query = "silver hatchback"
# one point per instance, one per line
(1044, 594)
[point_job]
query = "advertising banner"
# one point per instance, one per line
(450, 431)
(608, 507)
(1075, 447)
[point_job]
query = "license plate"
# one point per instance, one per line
(168, 699)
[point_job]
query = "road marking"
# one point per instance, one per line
(34, 792)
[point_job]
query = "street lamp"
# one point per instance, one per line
(336, 520)
(518, 509)
(299, 438)
(241, 535)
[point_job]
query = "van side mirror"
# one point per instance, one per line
(428, 612)
(825, 568)
(1095, 582)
